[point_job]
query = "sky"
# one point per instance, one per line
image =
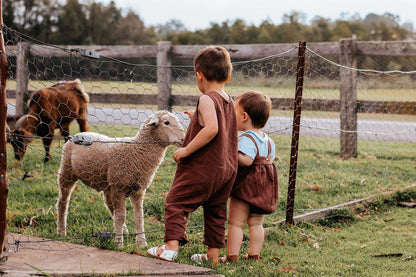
(197, 14)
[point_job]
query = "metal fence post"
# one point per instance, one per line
(164, 75)
(348, 98)
(295, 133)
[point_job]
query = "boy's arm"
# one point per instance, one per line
(206, 109)
(190, 113)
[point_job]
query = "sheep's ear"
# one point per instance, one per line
(153, 121)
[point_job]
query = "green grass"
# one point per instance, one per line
(347, 240)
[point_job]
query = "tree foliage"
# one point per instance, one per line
(75, 22)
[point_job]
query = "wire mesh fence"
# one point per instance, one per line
(123, 95)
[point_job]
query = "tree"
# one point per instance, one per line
(133, 31)
(266, 32)
(35, 17)
(72, 24)
(320, 29)
(170, 28)
(238, 32)
(219, 34)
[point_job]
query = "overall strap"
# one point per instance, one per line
(270, 149)
(269, 156)
(254, 141)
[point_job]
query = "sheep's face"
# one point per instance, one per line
(168, 128)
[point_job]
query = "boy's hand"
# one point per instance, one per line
(190, 113)
(180, 153)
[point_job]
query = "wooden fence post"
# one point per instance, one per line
(164, 75)
(348, 98)
(22, 78)
(4, 188)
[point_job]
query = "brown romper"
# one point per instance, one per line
(257, 184)
(205, 178)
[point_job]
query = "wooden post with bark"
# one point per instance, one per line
(4, 190)
(164, 75)
(22, 78)
(348, 98)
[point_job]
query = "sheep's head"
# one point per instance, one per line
(165, 127)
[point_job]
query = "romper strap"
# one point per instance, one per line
(269, 157)
(254, 141)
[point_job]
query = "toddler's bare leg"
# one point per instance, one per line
(256, 232)
(238, 214)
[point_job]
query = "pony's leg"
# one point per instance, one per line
(82, 119)
(47, 142)
(136, 199)
(65, 131)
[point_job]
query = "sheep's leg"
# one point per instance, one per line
(108, 200)
(65, 189)
(136, 200)
(119, 202)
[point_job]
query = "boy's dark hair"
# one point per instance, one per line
(257, 105)
(214, 62)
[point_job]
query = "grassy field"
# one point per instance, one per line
(345, 244)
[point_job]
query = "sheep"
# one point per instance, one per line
(120, 167)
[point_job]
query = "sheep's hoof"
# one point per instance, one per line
(119, 241)
(141, 243)
(61, 232)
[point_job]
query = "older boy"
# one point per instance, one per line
(207, 162)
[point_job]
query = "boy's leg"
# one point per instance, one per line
(256, 233)
(170, 245)
(238, 214)
(213, 254)
(215, 216)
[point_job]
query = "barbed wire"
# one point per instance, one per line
(358, 69)
(267, 57)
(360, 132)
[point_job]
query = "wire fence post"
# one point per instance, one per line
(295, 133)
(3, 154)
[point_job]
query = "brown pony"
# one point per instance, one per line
(49, 109)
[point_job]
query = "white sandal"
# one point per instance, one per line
(166, 255)
(199, 258)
